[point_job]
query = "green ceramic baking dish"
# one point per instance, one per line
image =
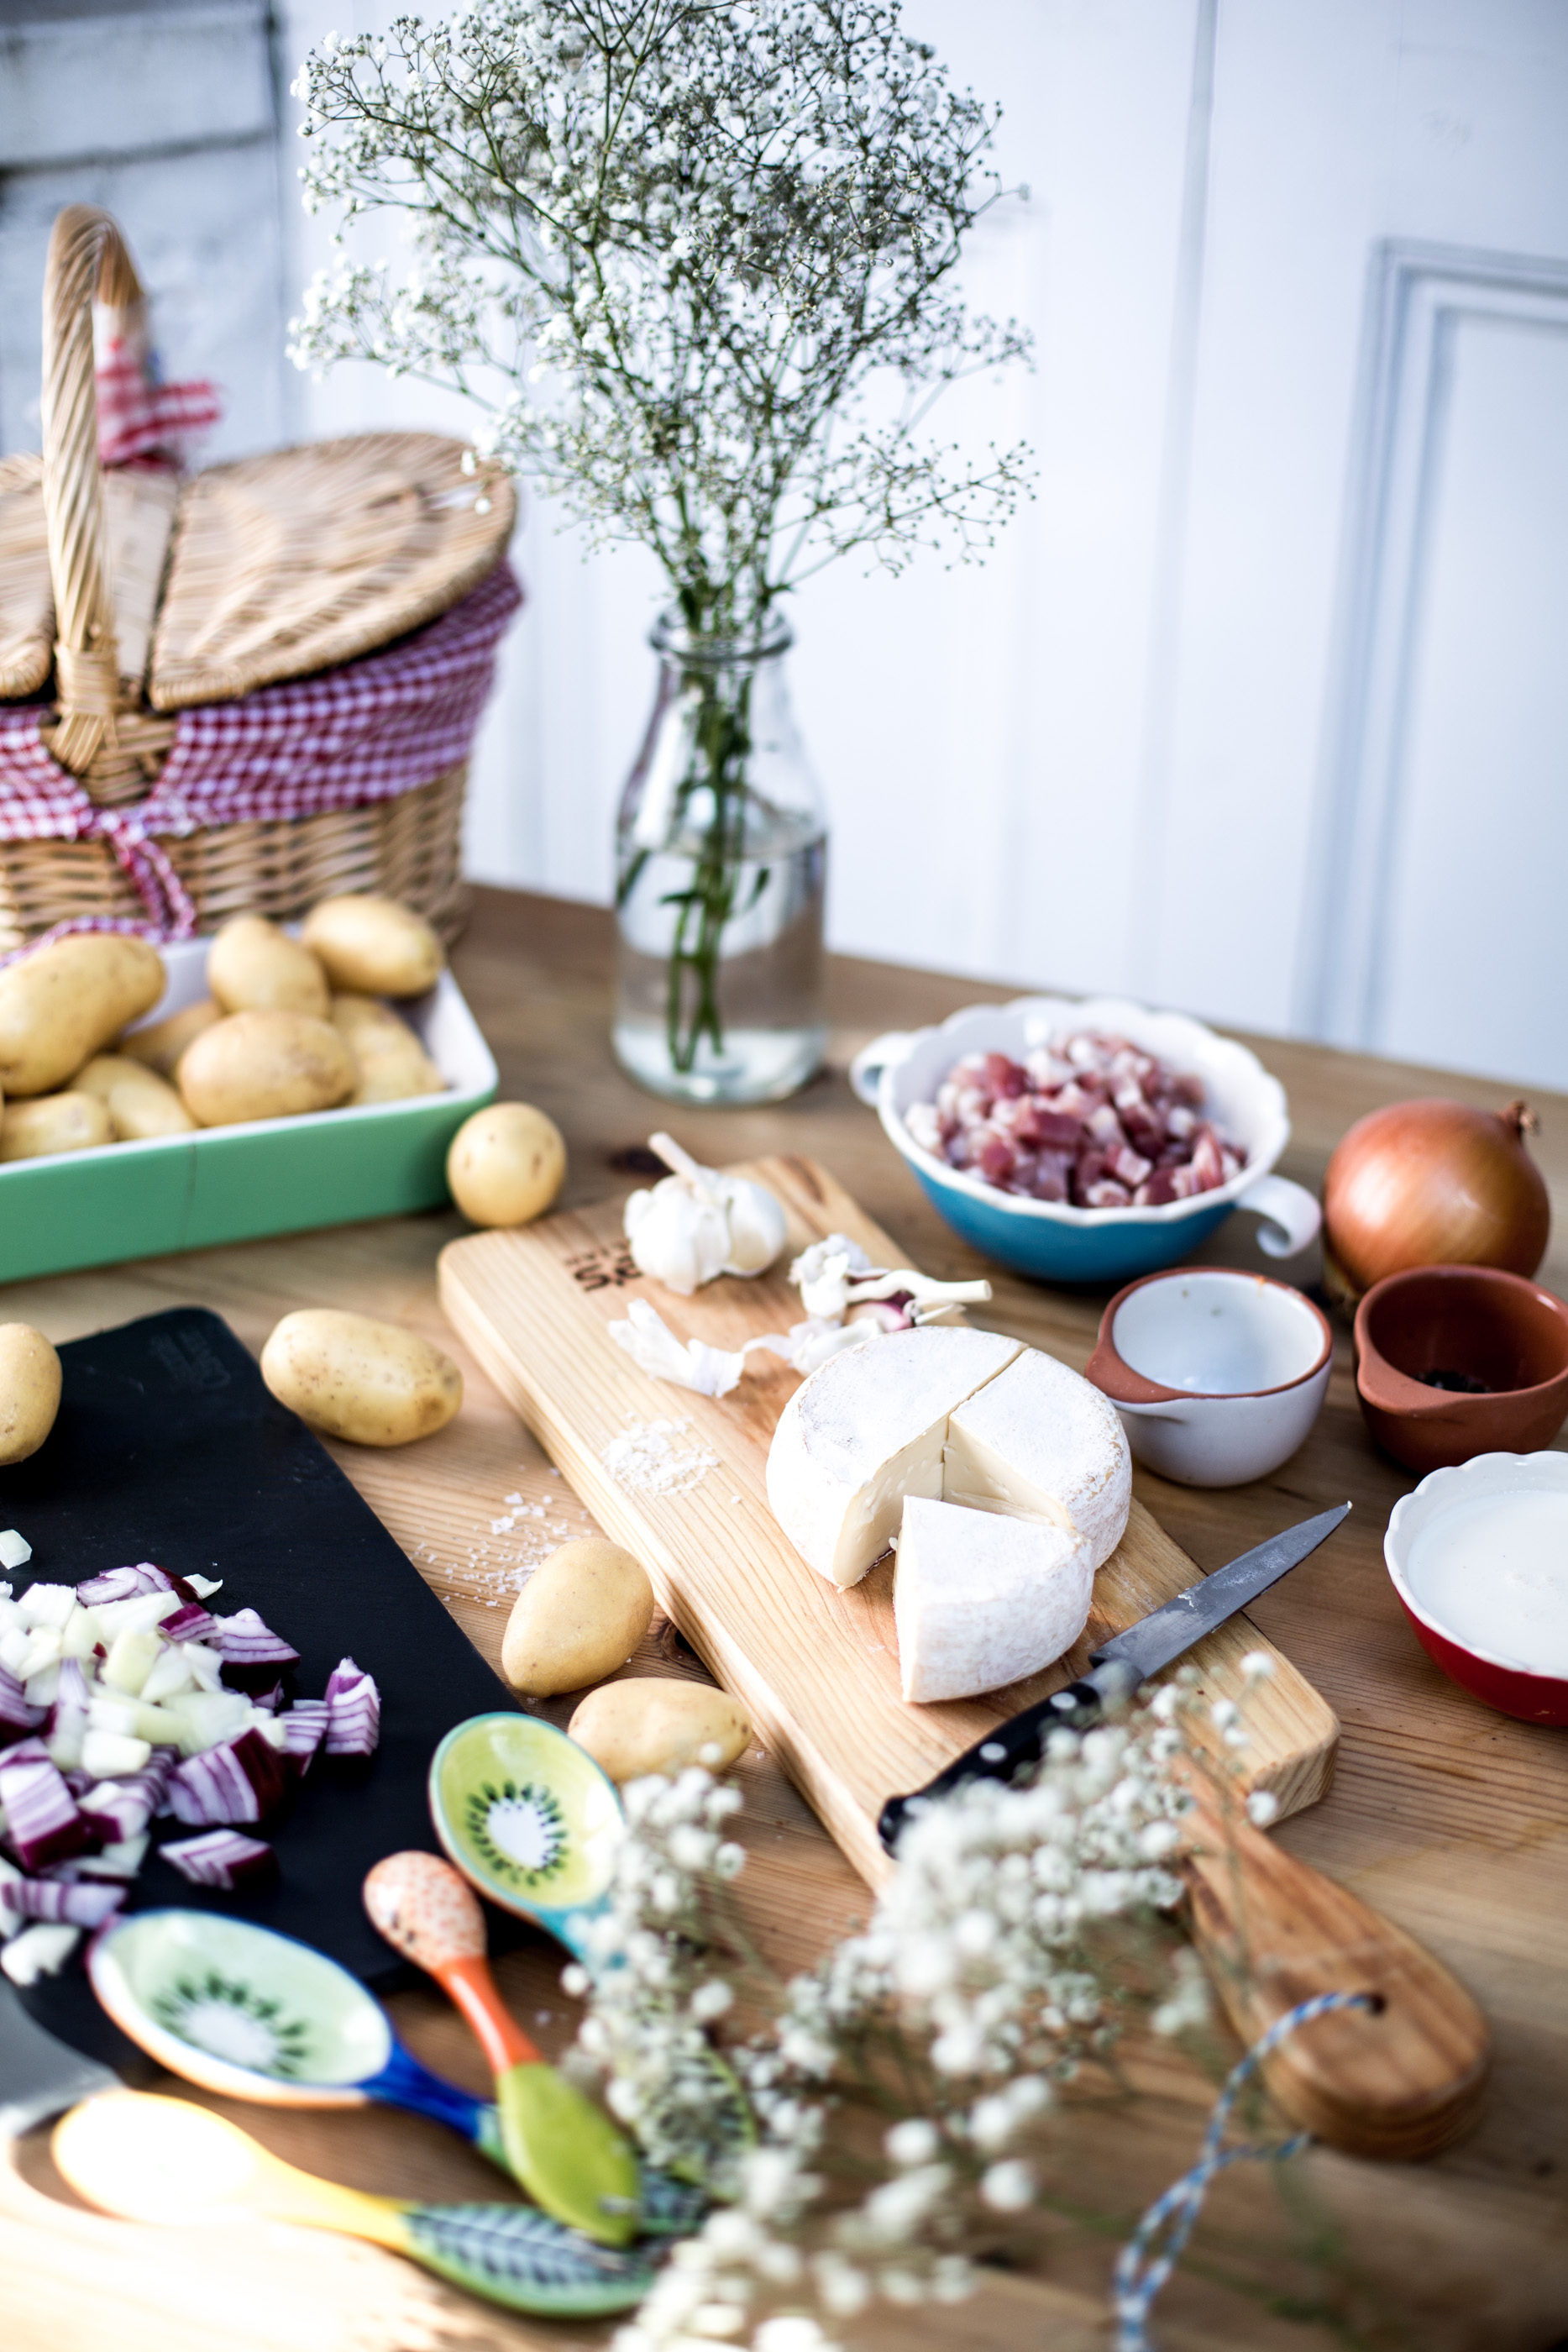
(235, 1183)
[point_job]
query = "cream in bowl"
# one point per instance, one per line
(1479, 1557)
(1217, 1374)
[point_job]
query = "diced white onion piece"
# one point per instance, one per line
(109, 1755)
(78, 1635)
(48, 1604)
(170, 1673)
(137, 1614)
(205, 1666)
(130, 1660)
(43, 1650)
(15, 1551)
(42, 1685)
(156, 1725)
(120, 1859)
(204, 1587)
(208, 1718)
(112, 1711)
(15, 1644)
(38, 1952)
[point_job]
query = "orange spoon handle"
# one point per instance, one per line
(471, 1987)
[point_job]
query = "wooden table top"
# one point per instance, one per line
(1451, 1818)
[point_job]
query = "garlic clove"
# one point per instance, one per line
(758, 1232)
(676, 1238)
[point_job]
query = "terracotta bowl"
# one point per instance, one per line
(1464, 1322)
(1503, 1682)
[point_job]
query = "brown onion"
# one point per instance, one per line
(1434, 1183)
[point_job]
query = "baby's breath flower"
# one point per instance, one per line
(1007, 2186)
(1263, 1807)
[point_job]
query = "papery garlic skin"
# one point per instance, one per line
(697, 1224)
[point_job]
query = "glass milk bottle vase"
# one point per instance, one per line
(721, 859)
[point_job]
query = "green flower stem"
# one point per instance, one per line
(703, 909)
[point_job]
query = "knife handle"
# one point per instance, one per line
(1399, 2084)
(1018, 1742)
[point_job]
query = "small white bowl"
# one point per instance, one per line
(1049, 1239)
(1217, 1375)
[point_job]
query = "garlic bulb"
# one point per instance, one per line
(697, 1224)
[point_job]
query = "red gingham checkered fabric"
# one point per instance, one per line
(139, 417)
(373, 729)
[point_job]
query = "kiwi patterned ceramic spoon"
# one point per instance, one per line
(256, 2015)
(156, 2159)
(529, 1819)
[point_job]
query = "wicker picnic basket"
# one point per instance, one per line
(153, 602)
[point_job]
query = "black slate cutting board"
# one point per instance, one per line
(169, 1447)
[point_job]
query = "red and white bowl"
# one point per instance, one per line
(1502, 1681)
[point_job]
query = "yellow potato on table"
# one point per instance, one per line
(392, 1063)
(140, 1103)
(254, 966)
(62, 1003)
(581, 1615)
(264, 1065)
(29, 1390)
(351, 1376)
(374, 947)
(161, 1043)
(654, 1724)
(42, 1125)
(506, 1164)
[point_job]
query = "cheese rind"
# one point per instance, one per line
(864, 1431)
(1040, 1442)
(981, 1601)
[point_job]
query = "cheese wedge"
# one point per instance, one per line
(1040, 1442)
(864, 1431)
(981, 1601)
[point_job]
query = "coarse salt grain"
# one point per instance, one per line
(647, 1461)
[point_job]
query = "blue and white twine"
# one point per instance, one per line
(1147, 2260)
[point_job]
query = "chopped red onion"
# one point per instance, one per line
(125, 1807)
(16, 1717)
(191, 1623)
(42, 1822)
(353, 1711)
(242, 1780)
(123, 1584)
(80, 1905)
(253, 1654)
(269, 1701)
(222, 1858)
(304, 1728)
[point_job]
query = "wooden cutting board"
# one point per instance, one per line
(816, 1667)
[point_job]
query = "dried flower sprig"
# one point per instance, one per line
(695, 262)
(894, 2092)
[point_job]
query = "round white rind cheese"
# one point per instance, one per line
(1041, 1443)
(864, 1431)
(980, 1601)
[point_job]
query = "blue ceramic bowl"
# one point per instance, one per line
(1047, 1238)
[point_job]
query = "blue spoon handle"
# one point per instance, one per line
(404, 2083)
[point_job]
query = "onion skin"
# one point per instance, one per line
(1432, 1183)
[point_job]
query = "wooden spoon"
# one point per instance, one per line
(1401, 2082)
(566, 2151)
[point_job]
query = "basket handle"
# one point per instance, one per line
(88, 258)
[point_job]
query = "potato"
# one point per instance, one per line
(45, 1124)
(506, 1163)
(650, 1723)
(581, 1615)
(350, 1376)
(62, 1003)
(253, 967)
(140, 1102)
(264, 1065)
(29, 1390)
(392, 1063)
(161, 1043)
(374, 947)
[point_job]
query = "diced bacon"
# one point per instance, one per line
(1088, 1120)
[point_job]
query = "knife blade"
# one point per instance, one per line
(1119, 1665)
(39, 2074)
